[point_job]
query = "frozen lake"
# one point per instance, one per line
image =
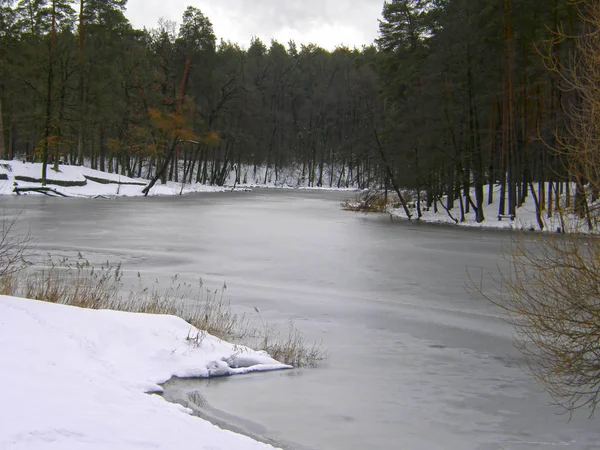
(414, 361)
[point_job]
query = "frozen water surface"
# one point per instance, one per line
(415, 362)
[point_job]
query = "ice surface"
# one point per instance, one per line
(414, 361)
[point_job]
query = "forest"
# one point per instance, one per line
(454, 96)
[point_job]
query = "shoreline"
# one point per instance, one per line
(467, 226)
(80, 352)
(174, 392)
(23, 178)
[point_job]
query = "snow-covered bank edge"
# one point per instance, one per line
(80, 378)
(23, 178)
(289, 187)
(20, 178)
(524, 220)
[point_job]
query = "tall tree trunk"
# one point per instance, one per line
(390, 174)
(3, 148)
(176, 166)
(102, 149)
(172, 166)
(81, 91)
(11, 140)
(476, 145)
(48, 127)
(508, 129)
(450, 190)
(538, 207)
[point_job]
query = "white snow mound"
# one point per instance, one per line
(78, 379)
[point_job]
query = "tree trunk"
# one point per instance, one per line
(538, 207)
(391, 175)
(48, 127)
(550, 202)
(508, 143)
(3, 148)
(102, 149)
(11, 141)
(476, 146)
(160, 173)
(80, 151)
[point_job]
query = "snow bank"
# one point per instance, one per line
(77, 379)
(97, 183)
(525, 218)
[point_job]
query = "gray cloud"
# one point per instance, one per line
(325, 22)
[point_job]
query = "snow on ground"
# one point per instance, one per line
(289, 177)
(250, 186)
(78, 379)
(122, 186)
(525, 218)
(92, 188)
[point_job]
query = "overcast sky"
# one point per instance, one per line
(324, 22)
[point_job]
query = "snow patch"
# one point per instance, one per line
(525, 218)
(78, 378)
(113, 185)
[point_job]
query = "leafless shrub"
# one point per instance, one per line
(14, 248)
(551, 296)
(366, 201)
(292, 348)
(578, 75)
(551, 293)
(371, 201)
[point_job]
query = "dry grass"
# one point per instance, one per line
(69, 283)
(206, 309)
(374, 201)
(77, 283)
(292, 348)
(367, 201)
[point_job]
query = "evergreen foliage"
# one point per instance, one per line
(455, 95)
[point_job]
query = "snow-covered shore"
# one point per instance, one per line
(525, 218)
(80, 379)
(79, 181)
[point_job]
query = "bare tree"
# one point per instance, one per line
(579, 141)
(551, 292)
(14, 248)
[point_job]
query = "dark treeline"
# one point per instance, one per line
(469, 99)
(78, 84)
(455, 96)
